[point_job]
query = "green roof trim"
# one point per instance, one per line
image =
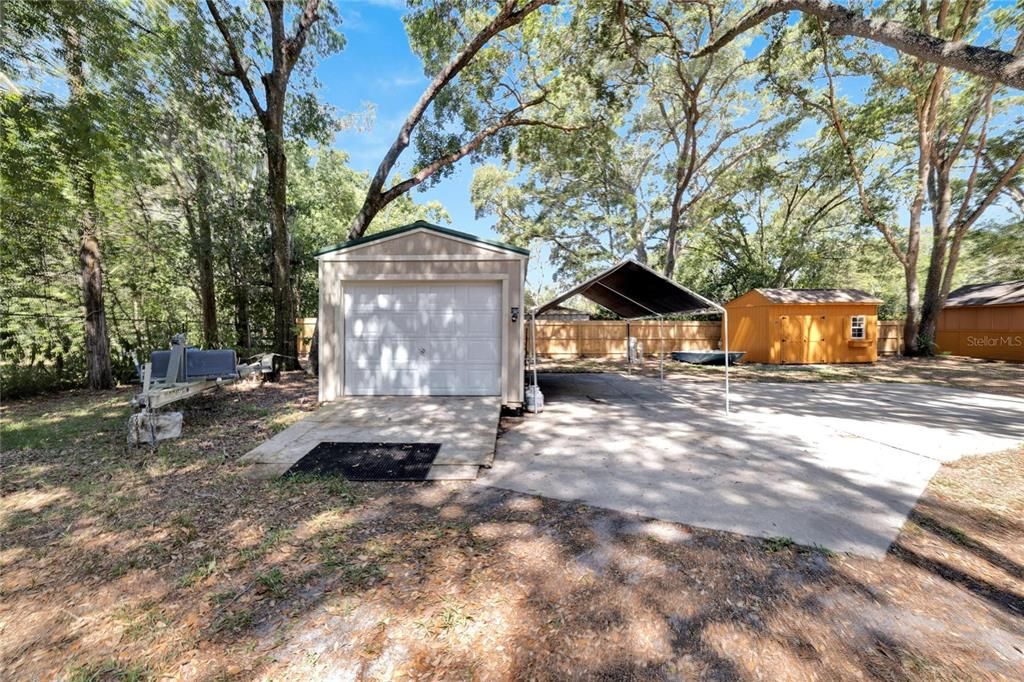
(420, 225)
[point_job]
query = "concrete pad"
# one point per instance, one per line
(466, 428)
(840, 465)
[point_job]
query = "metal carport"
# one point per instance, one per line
(634, 291)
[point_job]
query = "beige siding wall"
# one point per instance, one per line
(419, 257)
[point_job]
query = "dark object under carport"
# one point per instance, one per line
(369, 461)
(706, 357)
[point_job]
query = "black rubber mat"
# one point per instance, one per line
(369, 461)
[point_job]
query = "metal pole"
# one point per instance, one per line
(533, 343)
(629, 350)
(725, 328)
(661, 345)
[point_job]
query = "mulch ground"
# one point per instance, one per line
(123, 563)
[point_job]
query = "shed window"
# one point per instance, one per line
(857, 327)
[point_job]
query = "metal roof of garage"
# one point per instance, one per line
(632, 290)
(420, 225)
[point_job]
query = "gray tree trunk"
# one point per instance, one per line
(97, 340)
(204, 257)
(285, 337)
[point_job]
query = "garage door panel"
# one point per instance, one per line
(483, 297)
(444, 351)
(446, 323)
(437, 339)
(440, 297)
(481, 324)
(364, 301)
(479, 351)
(481, 381)
(369, 354)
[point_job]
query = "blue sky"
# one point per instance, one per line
(378, 68)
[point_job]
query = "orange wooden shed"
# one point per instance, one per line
(804, 326)
(984, 321)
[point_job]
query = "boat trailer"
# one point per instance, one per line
(182, 372)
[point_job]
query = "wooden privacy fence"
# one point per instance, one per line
(890, 337)
(306, 326)
(607, 338)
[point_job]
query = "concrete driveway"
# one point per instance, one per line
(840, 465)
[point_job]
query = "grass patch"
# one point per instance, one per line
(85, 418)
(951, 533)
(110, 670)
(236, 621)
(183, 529)
(20, 519)
(336, 486)
(453, 618)
(273, 582)
(270, 540)
(141, 622)
(133, 562)
(351, 573)
(221, 598)
(778, 543)
(203, 570)
(817, 549)
(283, 421)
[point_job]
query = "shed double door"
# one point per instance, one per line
(802, 339)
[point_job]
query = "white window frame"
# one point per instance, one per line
(859, 327)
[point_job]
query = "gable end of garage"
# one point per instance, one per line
(434, 238)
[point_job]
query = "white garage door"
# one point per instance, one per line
(419, 339)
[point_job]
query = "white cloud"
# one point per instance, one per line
(400, 81)
(393, 4)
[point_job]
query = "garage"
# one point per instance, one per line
(421, 310)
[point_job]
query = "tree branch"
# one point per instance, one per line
(376, 197)
(240, 71)
(293, 46)
(997, 65)
(837, 123)
(509, 120)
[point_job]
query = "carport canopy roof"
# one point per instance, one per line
(632, 290)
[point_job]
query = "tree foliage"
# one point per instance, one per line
(180, 189)
(169, 166)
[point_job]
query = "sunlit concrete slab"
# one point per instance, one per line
(466, 428)
(839, 465)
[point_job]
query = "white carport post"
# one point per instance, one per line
(725, 337)
(661, 345)
(725, 343)
(533, 346)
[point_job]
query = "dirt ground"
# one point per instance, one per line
(992, 376)
(122, 563)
